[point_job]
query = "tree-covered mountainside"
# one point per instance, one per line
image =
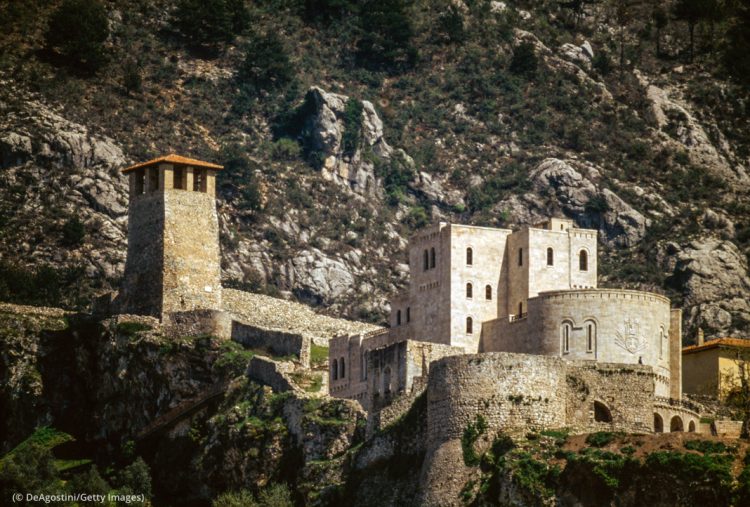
(346, 125)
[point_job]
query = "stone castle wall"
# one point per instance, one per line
(198, 322)
(516, 393)
(610, 311)
(377, 368)
(519, 392)
(276, 342)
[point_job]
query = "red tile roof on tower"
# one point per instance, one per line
(718, 342)
(174, 159)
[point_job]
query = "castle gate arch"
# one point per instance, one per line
(658, 424)
(675, 425)
(602, 413)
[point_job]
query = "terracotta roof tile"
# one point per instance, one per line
(174, 159)
(718, 342)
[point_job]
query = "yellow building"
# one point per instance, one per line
(713, 368)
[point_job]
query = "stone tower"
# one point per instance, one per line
(173, 262)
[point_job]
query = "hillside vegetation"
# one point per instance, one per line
(346, 125)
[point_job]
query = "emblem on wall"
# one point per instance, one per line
(629, 336)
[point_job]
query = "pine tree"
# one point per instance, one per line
(692, 12)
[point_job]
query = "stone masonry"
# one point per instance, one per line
(173, 262)
(581, 357)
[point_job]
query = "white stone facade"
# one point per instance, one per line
(532, 291)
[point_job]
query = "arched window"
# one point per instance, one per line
(691, 427)
(342, 368)
(398, 317)
(520, 256)
(658, 424)
(469, 325)
(469, 291)
(335, 369)
(602, 413)
(590, 336)
(432, 257)
(583, 261)
(408, 314)
(520, 309)
(565, 335)
(469, 257)
(426, 259)
(488, 292)
(550, 257)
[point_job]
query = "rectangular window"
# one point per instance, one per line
(520, 256)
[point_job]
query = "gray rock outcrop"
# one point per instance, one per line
(591, 206)
(712, 276)
(324, 132)
(66, 172)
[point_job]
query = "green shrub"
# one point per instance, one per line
(706, 446)
(73, 232)
(242, 498)
(471, 434)
(396, 176)
(89, 481)
(386, 36)
(451, 24)
(285, 149)
(418, 217)
(602, 63)
(131, 328)
(131, 76)
(497, 187)
(600, 438)
(211, 22)
(77, 30)
(318, 355)
(352, 126)
(524, 61)
(266, 65)
(135, 479)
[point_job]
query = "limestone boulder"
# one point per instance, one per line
(580, 55)
(712, 276)
(559, 187)
(317, 278)
(324, 131)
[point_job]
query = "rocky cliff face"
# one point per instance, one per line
(326, 179)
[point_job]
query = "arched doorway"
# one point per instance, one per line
(691, 427)
(658, 424)
(675, 425)
(602, 413)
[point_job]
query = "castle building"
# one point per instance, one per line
(479, 290)
(173, 261)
